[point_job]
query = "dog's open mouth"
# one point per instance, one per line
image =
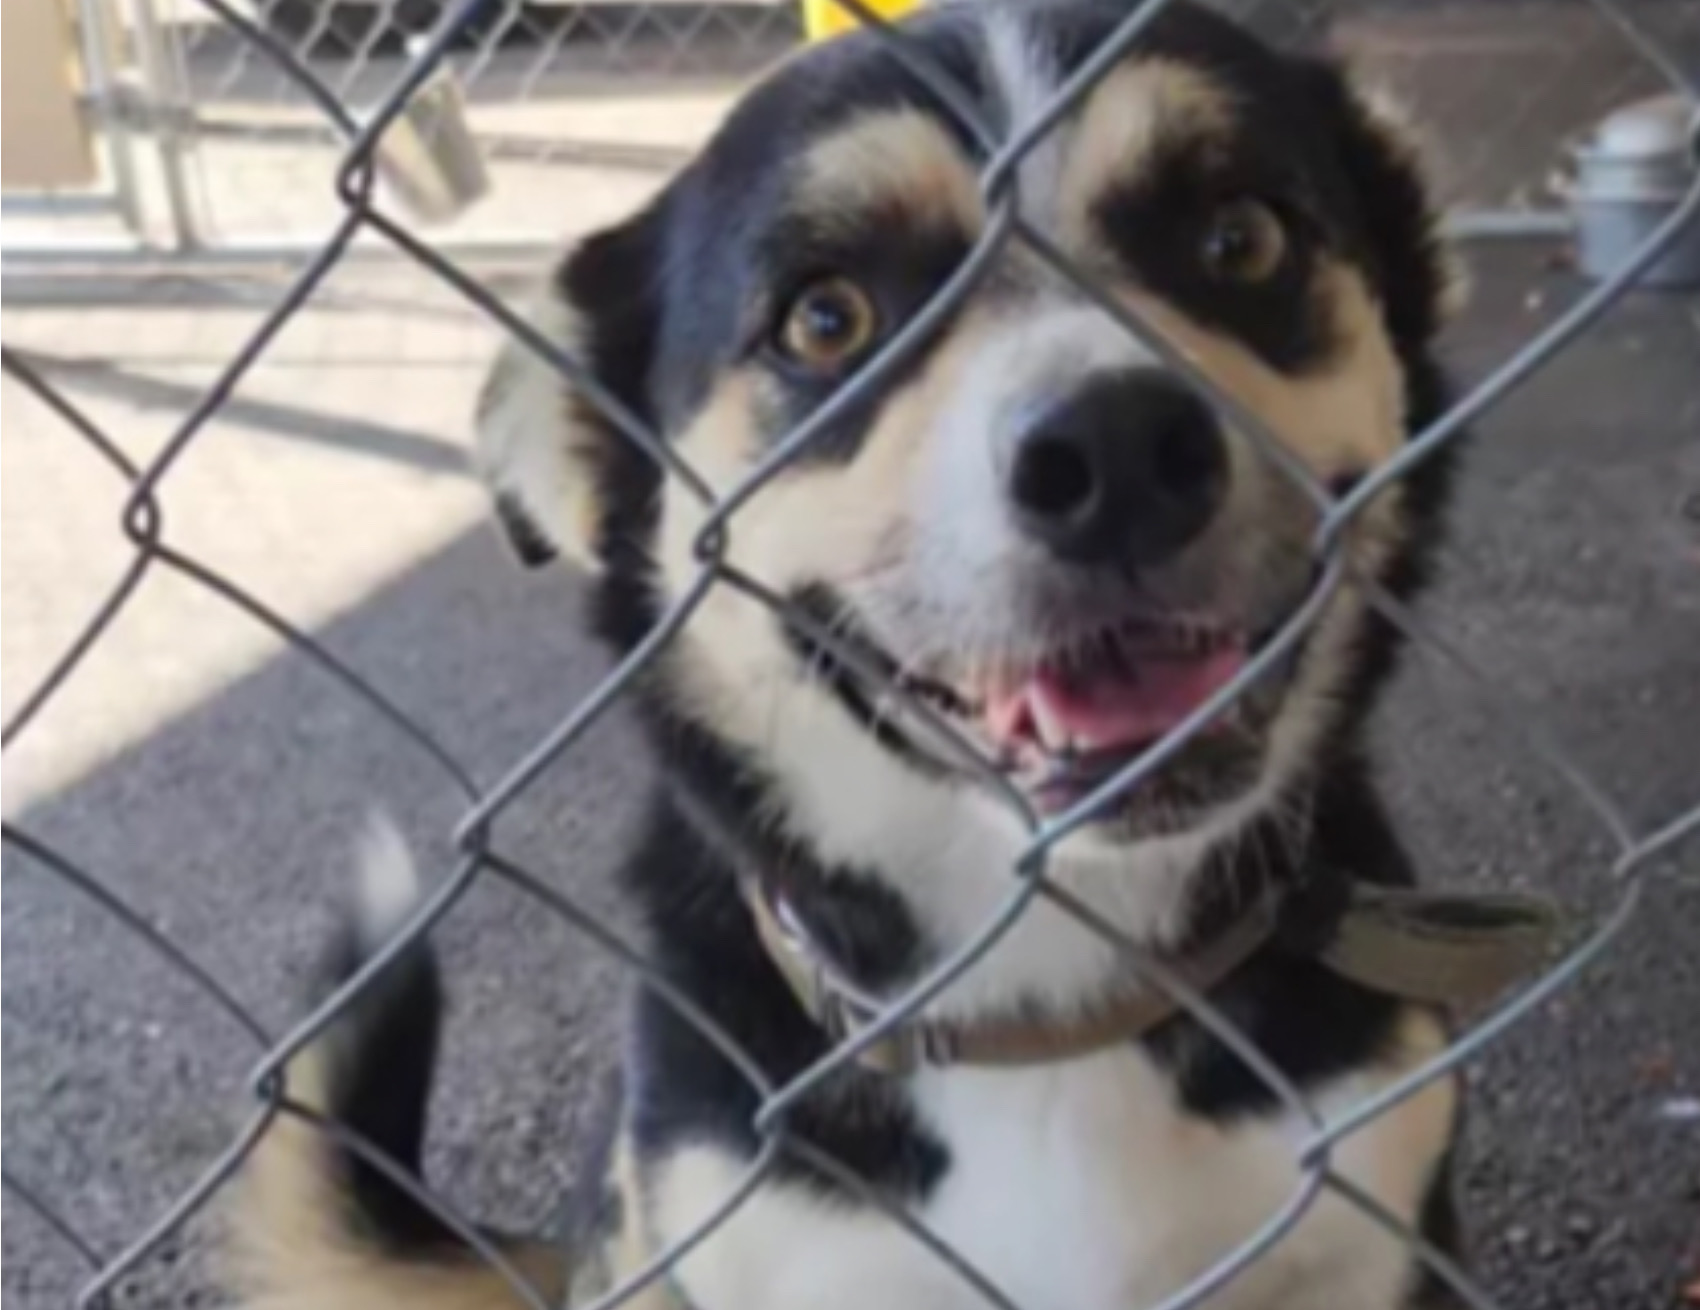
(1057, 725)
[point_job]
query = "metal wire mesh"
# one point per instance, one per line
(551, 90)
(1635, 847)
(229, 152)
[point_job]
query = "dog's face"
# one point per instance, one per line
(1032, 525)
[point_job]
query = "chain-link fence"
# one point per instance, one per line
(209, 146)
(1635, 846)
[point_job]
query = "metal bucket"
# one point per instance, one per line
(428, 154)
(1627, 177)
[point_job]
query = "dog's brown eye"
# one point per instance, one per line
(828, 323)
(1244, 242)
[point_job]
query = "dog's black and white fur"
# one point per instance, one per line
(1270, 222)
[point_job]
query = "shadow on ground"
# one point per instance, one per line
(1574, 581)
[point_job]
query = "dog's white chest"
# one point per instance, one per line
(1081, 1186)
(1076, 1187)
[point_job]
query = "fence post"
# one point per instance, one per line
(166, 101)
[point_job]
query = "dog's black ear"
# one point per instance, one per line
(1415, 272)
(563, 476)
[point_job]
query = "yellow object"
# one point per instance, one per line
(826, 18)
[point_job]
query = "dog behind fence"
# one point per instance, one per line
(1636, 847)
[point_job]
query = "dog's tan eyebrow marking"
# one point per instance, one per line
(890, 166)
(1136, 111)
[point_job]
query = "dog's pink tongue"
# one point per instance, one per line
(1109, 709)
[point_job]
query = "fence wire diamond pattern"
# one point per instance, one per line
(480, 857)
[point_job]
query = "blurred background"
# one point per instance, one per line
(164, 181)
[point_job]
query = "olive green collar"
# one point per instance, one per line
(1456, 951)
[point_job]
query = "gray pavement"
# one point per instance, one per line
(217, 782)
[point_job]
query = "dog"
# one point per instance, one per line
(1056, 549)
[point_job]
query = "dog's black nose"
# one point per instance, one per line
(1128, 469)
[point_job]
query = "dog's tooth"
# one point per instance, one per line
(1046, 721)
